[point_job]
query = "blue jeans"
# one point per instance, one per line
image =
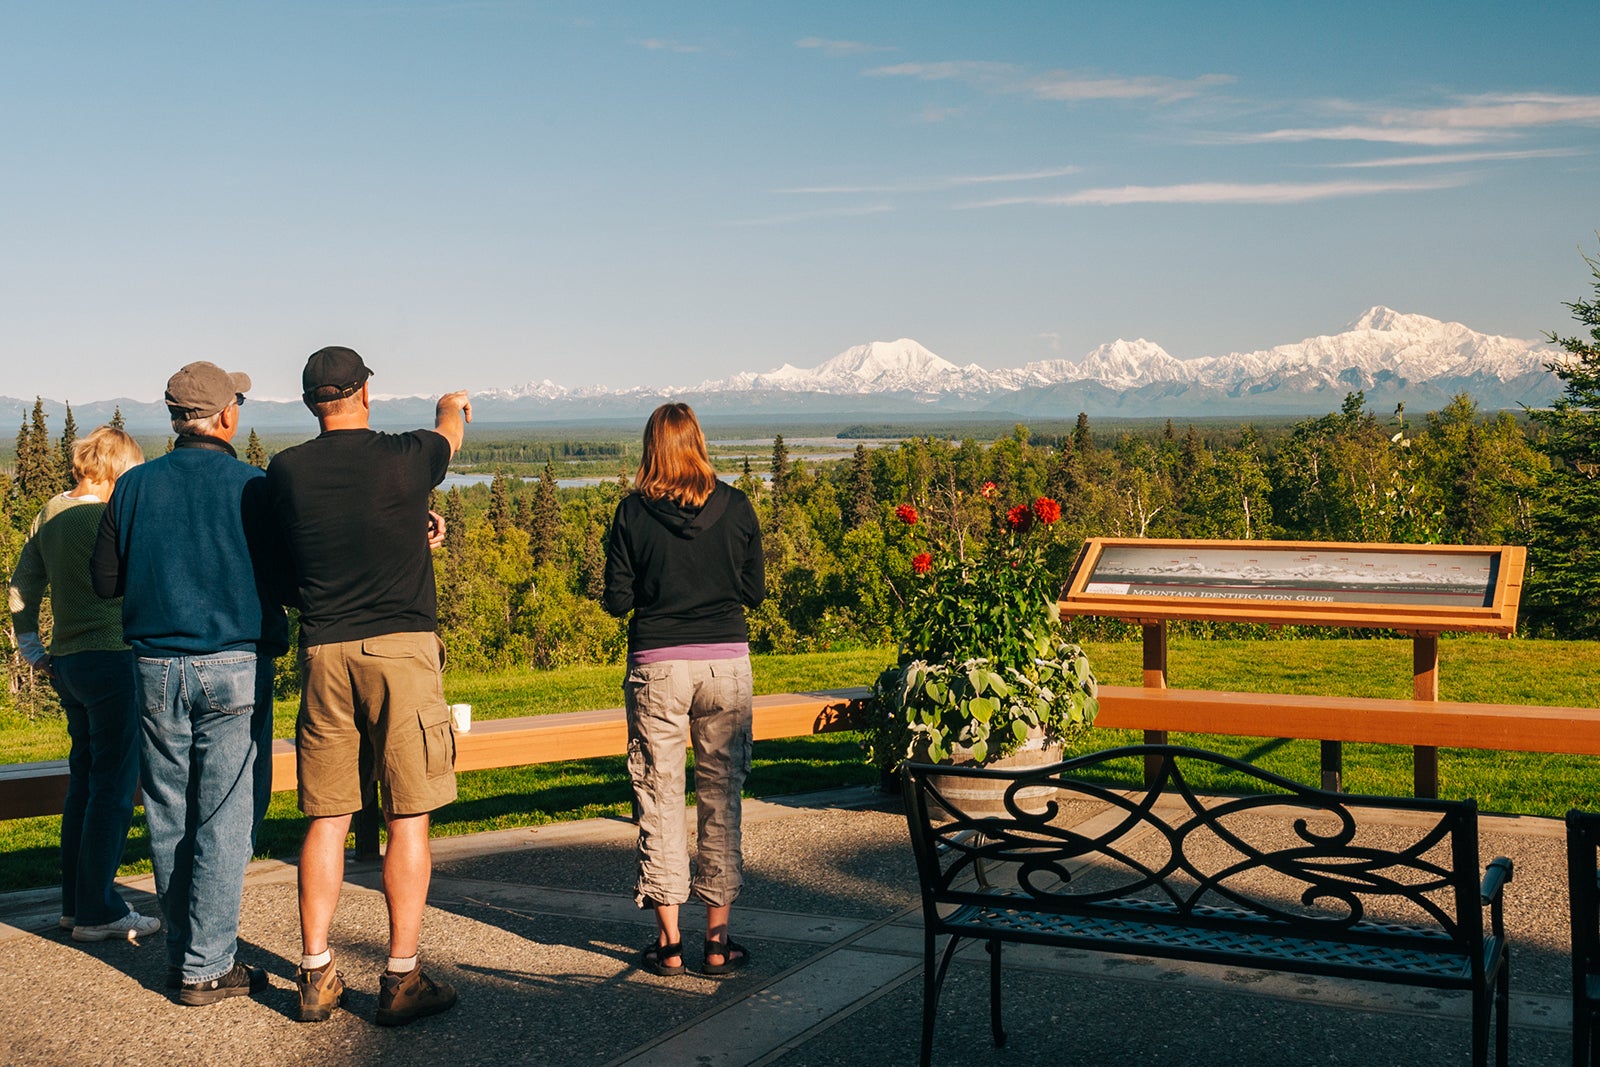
(96, 691)
(207, 780)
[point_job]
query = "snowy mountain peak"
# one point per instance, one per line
(1132, 363)
(904, 359)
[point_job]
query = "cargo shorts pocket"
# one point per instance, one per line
(438, 741)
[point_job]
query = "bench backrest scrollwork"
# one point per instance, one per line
(1086, 836)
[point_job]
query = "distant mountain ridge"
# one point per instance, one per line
(1392, 357)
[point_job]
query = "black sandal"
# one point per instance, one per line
(653, 955)
(734, 957)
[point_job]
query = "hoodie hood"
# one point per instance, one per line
(688, 523)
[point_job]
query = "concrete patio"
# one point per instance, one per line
(537, 929)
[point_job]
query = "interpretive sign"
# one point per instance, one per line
(1433, 588)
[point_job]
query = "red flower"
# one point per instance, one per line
(1046, 510)
(1019, 518)
(988, 490)
(922, 562)
(906, 514)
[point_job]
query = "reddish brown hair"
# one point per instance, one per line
(675, 463)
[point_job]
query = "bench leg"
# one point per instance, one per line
(1481, 1003)
(932, 982)
(1502, 1010)
(994, 995)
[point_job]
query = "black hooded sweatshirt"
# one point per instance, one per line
(687, 574)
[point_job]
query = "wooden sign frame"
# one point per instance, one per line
(1412, 588)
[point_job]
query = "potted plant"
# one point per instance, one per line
(984, 674)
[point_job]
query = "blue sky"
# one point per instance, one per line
(476, 194)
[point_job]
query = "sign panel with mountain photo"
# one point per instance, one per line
(1431, 588)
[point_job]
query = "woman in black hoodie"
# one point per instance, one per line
(684, 555)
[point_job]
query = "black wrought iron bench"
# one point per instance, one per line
(1583, 888)
(1271, 875)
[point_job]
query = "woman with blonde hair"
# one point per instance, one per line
(91, 668)
(684, 555)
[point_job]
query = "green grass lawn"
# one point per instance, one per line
(1471, 669)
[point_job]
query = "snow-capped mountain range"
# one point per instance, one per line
(1391, 357)
(1382, 350)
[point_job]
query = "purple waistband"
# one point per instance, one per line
(726, 650)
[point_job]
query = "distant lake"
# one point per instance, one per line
(454, 479)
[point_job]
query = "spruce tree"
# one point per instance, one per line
(546, 540)
(592, 570)
(37, 471)
(1082, 439)
(69, 437)
(500, 504)
(455, 522)
(780, 467)
(255, 453)
(117, 422)
(1564, 553)
(863, 504)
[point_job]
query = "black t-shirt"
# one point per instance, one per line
(353, 508)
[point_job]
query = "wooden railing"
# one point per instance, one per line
(28, 789)
(39, 788)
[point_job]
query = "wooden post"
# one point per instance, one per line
(1425, 686)
(1155, 677)
(1333, 766)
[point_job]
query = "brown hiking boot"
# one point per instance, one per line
(403, 998)
(321, 990)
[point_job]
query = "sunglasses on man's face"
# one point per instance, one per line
(238, 400)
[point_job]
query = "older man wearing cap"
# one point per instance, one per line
(353, 504)
(183, 542)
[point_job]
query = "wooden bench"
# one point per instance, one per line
(1583, 889)
(1284, 878)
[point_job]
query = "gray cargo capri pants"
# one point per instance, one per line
(670, 705)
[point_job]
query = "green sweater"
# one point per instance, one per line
(56, 558)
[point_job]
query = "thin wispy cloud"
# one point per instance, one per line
(1381, 134)
(660, 44)
(926, 185)
(1505, 111)
(1473, 120)
(1441, 158)
(971, 71)
(1066, 85)
(1060, 85)
(1226, 193)
(815, 216)
(842, 48)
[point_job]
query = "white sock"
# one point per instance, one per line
(397, 965)
(321, 959)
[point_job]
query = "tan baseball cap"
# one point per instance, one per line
(201, 389)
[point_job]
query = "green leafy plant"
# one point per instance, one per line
(982, 661)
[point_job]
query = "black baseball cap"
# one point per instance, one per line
(333, 373)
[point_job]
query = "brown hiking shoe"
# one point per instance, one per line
(403, 998)
(321, 990)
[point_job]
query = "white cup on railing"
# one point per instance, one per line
(461, 717)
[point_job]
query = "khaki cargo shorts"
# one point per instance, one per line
(374, 710)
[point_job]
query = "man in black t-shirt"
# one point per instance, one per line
(353, 508)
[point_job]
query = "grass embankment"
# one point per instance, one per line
(1471, 669)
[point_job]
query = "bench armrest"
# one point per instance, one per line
(1495, 879)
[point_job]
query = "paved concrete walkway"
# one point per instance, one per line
(538, 931)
